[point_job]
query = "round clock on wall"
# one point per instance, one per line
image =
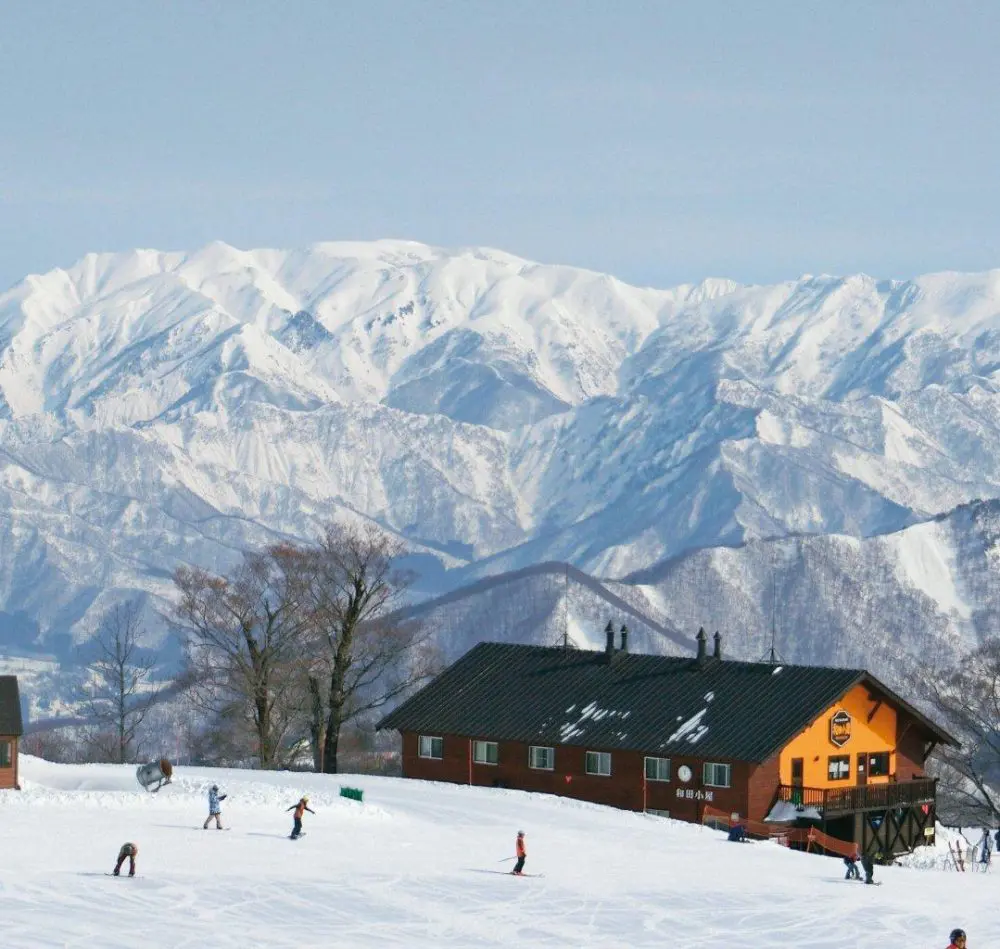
(684, 773)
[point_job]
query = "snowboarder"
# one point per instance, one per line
(852, 866)
(299, 809)
(214, 807)
(868, 865)
(738, 833)
(957, 939)
(522, 853)
(131, 851)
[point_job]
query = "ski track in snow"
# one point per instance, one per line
(416, 865)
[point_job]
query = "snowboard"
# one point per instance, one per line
(123, 876)
(513, 874)
(290, 837)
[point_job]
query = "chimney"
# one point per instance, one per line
(624, 638)
(718, 646)
(609, 649)
(702, 639)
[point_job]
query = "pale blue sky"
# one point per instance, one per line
(660, 142)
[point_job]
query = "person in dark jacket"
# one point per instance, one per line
(868, 865)
(127, 850)
(738, 833)
(299, 809)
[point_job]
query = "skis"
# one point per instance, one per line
(290, 837)
(522, 874)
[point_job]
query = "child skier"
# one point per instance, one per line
(522, 853)
(852, 867)
(957, 939)
(127, 850)
(214, 807)
(299, 809)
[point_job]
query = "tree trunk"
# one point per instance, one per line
(317, 725)
(335, 717)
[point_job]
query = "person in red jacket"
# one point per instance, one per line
(522, 853)
(957, 939)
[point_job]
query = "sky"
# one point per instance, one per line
(661, 142)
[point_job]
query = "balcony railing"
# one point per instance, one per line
(866, 797)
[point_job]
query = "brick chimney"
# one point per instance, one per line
(717, 654)
(624, 638)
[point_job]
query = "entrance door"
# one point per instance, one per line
(797, 770)
(862, 769)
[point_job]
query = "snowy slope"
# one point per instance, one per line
(420, 864)
(167, 408)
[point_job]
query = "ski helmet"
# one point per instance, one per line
(957, 934)
(520, 833)
(215, 787)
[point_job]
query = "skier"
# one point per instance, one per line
(127, 850)
(868, 865)
(214, 807)
(522, 853)
(852, 866)
(987, 850)
(957, 939)
(299, 809)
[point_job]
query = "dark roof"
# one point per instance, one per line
(10, 707)
(741, 711)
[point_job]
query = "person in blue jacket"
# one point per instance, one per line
(738, 833)
(215, 800)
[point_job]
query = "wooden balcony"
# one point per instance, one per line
(833, 802)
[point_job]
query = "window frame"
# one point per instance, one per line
(659, 761)
(430, 756)
(485, 746)
(874, 756)
(6, 754)
(551, 753)
(601, 756)
(845, 770)
(711, 783)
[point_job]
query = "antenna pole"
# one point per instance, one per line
(566, 606)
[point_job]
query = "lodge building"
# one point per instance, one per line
(681, 737)
(11, 729)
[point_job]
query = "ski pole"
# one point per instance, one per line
(505, 859)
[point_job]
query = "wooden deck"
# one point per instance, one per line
(835, 802)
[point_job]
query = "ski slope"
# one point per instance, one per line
(419, 864)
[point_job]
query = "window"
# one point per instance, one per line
(716, 775)
(657, 813)
(431, 747)
(485, 752)
(541, 759)
(838, 767)
(598, 762)
(878, 764)
(4, 754)
(657, 769)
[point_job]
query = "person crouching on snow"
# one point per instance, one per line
(522, 853)
(299, 809)
(127, 850)
(214, 807)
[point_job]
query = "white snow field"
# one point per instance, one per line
(419, 864)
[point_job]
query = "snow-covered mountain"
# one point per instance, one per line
(167, 408)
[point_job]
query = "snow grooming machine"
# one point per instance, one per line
(156, 772)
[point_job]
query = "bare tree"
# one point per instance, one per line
(119, 693)
(966, 700)
(361, 658)
(245, 636)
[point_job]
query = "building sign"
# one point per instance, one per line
(840, 728)
(692, 795)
